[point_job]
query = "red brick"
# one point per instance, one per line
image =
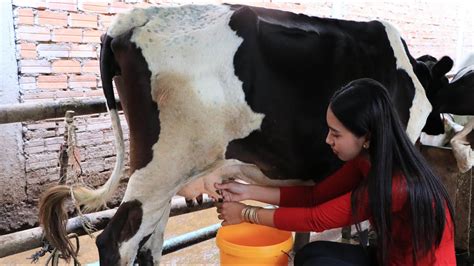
(91, 66)
(25, 16)
(41, 125)
(34, 166)
(119, 7)
(69, 94)
(39, 95)
(26, 20)
(65, 7)
(34, 143)
(67, 35)
(39, 4)
(27, 84)
(68, 5)
(27, 50)
(66, 66)
(52, 18)
(35, 66)
(81, 20)
(34, 33)
(53, 50)
(37, 100)
(52, 82)
(95, 7)
(27, 12)
(91, 36)
(33, 150)
(82, 81)
(63, 1)
(26, 80)
(83, 51)
(94, 93)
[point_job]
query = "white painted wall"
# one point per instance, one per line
(12, 168)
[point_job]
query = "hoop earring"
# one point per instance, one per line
(365, 146)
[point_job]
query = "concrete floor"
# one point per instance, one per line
(205, 253)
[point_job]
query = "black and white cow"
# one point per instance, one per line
(212, 91)
(446, 96)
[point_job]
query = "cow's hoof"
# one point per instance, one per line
(189, 202)
(200, 199)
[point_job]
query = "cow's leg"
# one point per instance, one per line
(148, 238)
(144, 211)
(156, 208)
(150, 252)
(123, 226)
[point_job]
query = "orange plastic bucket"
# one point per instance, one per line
(253, 244)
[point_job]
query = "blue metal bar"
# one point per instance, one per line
(185, 240)
(190, 238)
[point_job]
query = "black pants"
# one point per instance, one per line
(332, 253)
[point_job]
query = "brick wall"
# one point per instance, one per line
(57, 51)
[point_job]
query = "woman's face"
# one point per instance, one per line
(343, 142)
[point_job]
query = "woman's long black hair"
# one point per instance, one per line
(364, 107)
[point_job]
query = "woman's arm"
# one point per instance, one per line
(342, 181)
(345, 179)
(337, 212)
(234, 191)
(334, 213)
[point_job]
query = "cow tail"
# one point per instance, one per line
(94, 199)
(52, 214)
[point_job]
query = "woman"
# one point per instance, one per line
(384, 179)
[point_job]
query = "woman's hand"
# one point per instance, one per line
(230, 212)
(232, 191)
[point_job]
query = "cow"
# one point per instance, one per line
(451, 96)
(215, 91)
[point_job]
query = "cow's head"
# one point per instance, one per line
(432, 75)
(455, 97)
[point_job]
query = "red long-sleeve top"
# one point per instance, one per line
(327, 205)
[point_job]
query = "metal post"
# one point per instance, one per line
(301, 239)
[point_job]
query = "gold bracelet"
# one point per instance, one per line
(245, 213)
(242, 213)
(250, 214)
(256, 221)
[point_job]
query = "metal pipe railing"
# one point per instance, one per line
(189, 239)
(32, 238)
(23, 112)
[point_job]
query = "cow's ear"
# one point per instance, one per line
(442, 66)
